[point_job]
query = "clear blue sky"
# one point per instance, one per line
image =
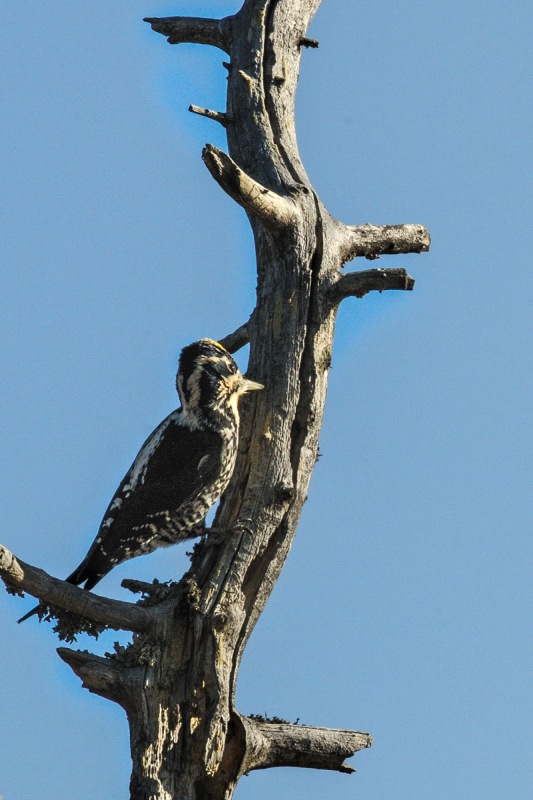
(405, 606)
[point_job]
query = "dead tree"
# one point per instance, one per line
(177, 680)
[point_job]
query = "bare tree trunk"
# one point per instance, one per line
(177, 681)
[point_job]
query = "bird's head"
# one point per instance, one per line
(209, 382)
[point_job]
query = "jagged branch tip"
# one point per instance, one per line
(217, 116)
(286, 745)
(357, 284)
(275, 211)
(52, 591)
(195, 30)
(373, 241)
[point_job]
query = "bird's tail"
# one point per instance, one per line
(29, 614)
(71, 579)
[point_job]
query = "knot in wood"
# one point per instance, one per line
(192, 593)
(307, 42)
(220, 619)
(284, 492)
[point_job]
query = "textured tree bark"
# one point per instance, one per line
(177, 682)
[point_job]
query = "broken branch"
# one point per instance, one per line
(357, 284)
(196, 30)
(234, 341)
(217, 116)
(373, 241)
(113, 613)
(98, 675)
(285, 745)
(275, 211)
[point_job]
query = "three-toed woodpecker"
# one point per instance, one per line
(181, 470)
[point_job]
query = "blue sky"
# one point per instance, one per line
(405, 607)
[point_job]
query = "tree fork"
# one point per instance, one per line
(177, 682)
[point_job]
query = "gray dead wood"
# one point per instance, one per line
(234, 341)
(113, 613)
(373, 241)
(217, 116)
(177, 681)
(195, 30)
(285, 745)
(357, 284)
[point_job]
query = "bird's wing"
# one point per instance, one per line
(173, 466)
(154, 456)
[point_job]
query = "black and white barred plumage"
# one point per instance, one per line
(181, 470)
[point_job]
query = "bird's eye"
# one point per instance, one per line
(224, 367)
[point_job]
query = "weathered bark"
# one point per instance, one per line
(198, 30)
(372, 241)
(357, 284)
(217, 116)
(113, 613)
(285, 745)
(177, 683)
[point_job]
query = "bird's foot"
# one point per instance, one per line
(215, 535)
(211, 537)
(244, 526)
(239, 526)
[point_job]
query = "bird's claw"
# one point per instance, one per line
(239, 526)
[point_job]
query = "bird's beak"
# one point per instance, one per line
(251, 386)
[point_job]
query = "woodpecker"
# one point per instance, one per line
(181, 470)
